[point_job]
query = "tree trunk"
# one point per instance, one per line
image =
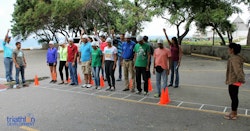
(248, 37)
(230, 37)
(221, 37)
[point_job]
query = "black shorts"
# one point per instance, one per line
(52, 64)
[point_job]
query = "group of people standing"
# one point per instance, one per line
(134, 57)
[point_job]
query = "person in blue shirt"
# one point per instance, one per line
(127, 61)
(117, 42)
(8, 62)
(119, 48)
(85, 59)
(52, 61)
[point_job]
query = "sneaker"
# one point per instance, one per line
(99, 88)
(170, 85)
(88, 86)
(25, 85)
(52, 81)
(109, 88)
(126, 89)
(138, 92)
(132, 90)
(145, 93)
(61, 83)
(113, 88)
(156, 95)
(119, 79)
(72, 84)
(84, 85)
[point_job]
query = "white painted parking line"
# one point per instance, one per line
(201, 106)
(73, 88)
(225, 109)
(179, 104)
(142, 99)
(111, 94)
(126, 96)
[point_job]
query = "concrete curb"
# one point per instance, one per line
(206, 56)
(213, 57)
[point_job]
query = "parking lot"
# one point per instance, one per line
(198, 104)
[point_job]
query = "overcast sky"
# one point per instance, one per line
(153, 28)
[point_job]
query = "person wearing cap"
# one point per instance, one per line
(20, 64)
(109, 59)
(52, 61)
(103, 44)
(142, 59)
(62, 51)
(127, 61)
(8, 62)
(96, 62)
(176, 53)
(162, 58)
(145, 39)
(85, 60)
(118, 45)
(72, 61)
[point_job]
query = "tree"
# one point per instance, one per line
(134, 13)
(215, 13)
(180, 14)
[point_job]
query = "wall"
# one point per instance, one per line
(217, 51)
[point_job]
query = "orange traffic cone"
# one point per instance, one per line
(68, 80)
(92, 81)
(167, 95)
(150, 88)
(165, 99)
(54, 76)
(79, 79)
(102, 82)
(36, 82)
(130, 84)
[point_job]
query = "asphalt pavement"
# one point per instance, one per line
(198, 104)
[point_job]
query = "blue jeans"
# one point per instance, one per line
(73, 72)
(8, 64)
(96, 71)
(20, 69)
(119, 67)
(161, 77)
(174, 72)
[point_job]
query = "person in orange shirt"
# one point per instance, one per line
(162, 57)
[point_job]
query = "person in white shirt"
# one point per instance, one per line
(109, 59)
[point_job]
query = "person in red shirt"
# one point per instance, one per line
(72, 61)
(176, 55)
(162, 58)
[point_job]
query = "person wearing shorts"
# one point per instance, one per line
(85, 60)
(52, 61)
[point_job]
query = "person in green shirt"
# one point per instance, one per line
(142, 59)
(96, 62)
(63, 54)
